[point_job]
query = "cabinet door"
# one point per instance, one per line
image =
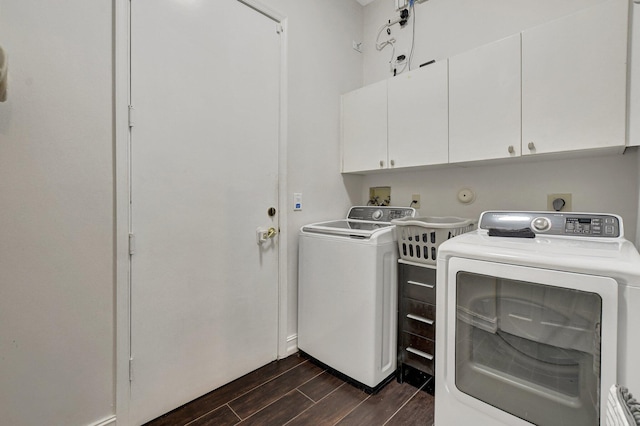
(418, 109)
(364, 128)
(574, 81)
(485, 102)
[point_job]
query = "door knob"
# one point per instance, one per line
(531, 146)
(271, 232)
(511, 150)
(263, 235)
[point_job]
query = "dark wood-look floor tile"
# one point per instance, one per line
(281, 411)
(418, 411)
(224, 394)
(378, 408)
(223, 416)
(332, 408)
(321, 386)
(269, 392)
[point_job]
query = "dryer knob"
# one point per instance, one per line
(541, 224)
(377, 214)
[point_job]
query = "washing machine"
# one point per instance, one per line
(347, 294)
(536, 320)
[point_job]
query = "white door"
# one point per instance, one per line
(204, 161)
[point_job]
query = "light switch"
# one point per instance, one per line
(297, 201)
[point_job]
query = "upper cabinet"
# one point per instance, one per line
(364, 128)
(484, 102)
(400, 122)
(574, 75)
(418, 129)
(558, 87)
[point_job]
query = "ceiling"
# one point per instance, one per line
(365, 2)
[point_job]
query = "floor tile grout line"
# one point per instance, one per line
(306, 396)
(242, 394)
(405, 403)
(274, 401)
(315, 403)
(353, 409)
(190, 422)
(265, 382)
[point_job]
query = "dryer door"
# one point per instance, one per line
(534, 343)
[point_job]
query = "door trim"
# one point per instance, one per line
(122, 196)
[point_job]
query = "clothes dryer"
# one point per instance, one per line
(535, 319)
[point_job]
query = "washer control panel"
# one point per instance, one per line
(549, 223)
(380, 213)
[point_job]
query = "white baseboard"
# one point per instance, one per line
(109, 421)
(292, 345)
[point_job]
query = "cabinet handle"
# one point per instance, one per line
(531, 146)
(393, 162)
(381, 163)
(511, 150)
(420, 353)
(421, 284)
(419, 318)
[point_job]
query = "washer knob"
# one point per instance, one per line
(377, 214)
(541, 224)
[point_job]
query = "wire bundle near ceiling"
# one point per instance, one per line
(400, 63)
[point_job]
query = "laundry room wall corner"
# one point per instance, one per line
(322, 65)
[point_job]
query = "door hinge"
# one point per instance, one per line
(131, 117)
(132, 244)
(131, 369)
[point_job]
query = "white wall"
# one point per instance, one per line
(606, 184)
(322, 66)
(448, 27)
(56, 214)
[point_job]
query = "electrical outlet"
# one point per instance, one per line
(560, 206)
(415, 201)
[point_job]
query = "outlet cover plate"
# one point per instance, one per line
(567, 202)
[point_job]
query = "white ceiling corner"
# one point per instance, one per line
(365, 2)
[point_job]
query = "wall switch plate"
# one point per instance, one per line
(297, 201)
(415, 201)
(563, 206)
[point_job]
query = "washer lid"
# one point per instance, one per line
(348, 228)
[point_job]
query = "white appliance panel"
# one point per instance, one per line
(467, 408)
(347, 301)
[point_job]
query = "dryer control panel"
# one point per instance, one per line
(551, 223)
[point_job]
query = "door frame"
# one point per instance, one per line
(122, 196)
